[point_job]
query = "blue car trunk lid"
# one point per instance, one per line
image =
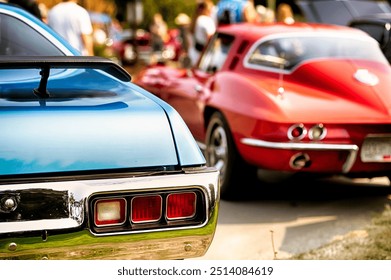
(80, 134)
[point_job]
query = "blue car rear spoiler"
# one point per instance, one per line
(45, 63)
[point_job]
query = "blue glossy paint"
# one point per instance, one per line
(84, 129)
(189, 152)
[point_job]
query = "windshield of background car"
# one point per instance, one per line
(287, 52)
(377, 30)
(340, 12)
(18, 38)
(216, 53)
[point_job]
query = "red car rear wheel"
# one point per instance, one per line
(222, 154)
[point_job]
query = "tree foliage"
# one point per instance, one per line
(168, 8)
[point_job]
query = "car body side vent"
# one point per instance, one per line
(234, 62)
(242, 46)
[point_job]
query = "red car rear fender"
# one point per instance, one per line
(341, 79)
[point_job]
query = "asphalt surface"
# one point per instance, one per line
(279, 220)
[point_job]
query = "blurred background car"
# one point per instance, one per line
(379, 27)
(172, 48)
(112, 41)
(339, 12)
(373, 17)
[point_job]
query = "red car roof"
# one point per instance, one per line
(252, 31)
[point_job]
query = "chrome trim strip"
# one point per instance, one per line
(351, 148)
(202, 146)
(247, 64)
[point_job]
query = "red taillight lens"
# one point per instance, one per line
(110, 212)
(317, 132)
(297, 132)
(146, 208)
(181, 205)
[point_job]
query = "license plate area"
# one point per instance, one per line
(376, 149)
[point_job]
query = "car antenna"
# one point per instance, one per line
(41, 91)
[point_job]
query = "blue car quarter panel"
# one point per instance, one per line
(189, 153)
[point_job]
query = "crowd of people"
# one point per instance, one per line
(208, 16)
(72, 21)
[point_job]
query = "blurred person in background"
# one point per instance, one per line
(202, 27)
(159, 35)
(73, 22)
(44, 12)
(265, 14)
(285, 13)
(234, 11)
(29, 5)
(183, 22)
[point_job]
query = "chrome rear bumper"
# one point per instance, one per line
(350, 148)
(69, 235)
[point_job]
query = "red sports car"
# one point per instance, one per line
(300, 98)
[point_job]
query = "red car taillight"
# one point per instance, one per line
(181, 205)
(146, 208)
(297, 132)
(109, 212)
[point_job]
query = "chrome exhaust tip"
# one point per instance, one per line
(299, 161)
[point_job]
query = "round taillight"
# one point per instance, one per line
(297, 132)
(317, 132)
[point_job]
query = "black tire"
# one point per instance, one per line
(221, 153)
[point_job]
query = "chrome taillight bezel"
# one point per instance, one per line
(302, 132)
(321, 136)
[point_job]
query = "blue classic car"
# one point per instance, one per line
(91, 165)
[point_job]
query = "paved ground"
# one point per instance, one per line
(280, 223)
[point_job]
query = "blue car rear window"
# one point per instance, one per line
(17, 38)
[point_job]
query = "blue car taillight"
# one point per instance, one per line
(109, 212)
(146, 209)
(181, 205)
(153, 210)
